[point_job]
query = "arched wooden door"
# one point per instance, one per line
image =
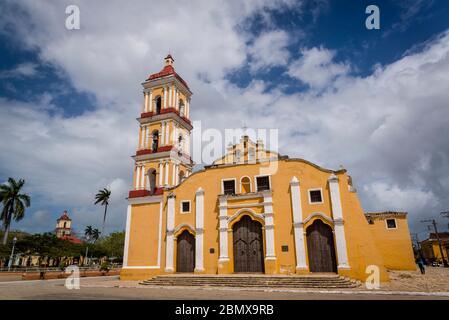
(185, 253)
(248, 246)
(320, 247)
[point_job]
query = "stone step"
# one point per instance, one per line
(324, 281)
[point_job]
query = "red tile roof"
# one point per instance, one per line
(72, 239)
(64, 216)
(167, 71)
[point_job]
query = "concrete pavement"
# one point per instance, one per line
(110, 288)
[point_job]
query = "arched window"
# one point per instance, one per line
(245, 185)
(151, 180)
(180, 142)
(181, 108)
(181, 176)
(155, 144)
(158, 104)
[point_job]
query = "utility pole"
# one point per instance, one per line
(438, 239)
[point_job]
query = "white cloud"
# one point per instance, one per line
(316, 68)
(26, 69)
(392, 197)
(391, 126)
(269, 50)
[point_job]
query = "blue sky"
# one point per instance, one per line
(372, 100)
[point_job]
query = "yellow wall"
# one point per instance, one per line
(366, 244)
(395, 245)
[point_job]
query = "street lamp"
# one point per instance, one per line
(12, 253)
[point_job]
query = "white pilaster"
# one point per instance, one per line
(137, 177)
(177, 99)
(161, 172)
(300, 250)
(199, 225)
(167, 133)
(142, 137)
(145, 101)
(128, 228)
(170, 233)
(173, 180)
(165, 98)
(337, 213)
(223, 217)
(142, 177)
(145, 137)
(167, 170)
(270, 253)
(162, 133)
(170, 96)
(150, 101)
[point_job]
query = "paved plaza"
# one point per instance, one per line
(405, 285)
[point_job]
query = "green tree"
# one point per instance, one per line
(14, 203)
(102, 197)
(113, 245)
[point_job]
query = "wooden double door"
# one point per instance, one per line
(248, 246)
(185, 252)
(320, 247)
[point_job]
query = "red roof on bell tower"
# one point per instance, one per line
(168, 70)
(64, 216)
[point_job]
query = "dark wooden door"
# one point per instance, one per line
(185, 253)
(320, 247)
(248, 246)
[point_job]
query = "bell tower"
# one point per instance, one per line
(163, 154)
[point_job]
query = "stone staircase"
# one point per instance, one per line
(253, 281)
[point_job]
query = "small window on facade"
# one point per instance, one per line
(185, 206)
(391, 223)
(263, 183)
(245, 185)
(315, 196)
(229, 187)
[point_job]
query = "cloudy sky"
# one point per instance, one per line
(374, 101)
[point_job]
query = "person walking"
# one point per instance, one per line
(421, 266)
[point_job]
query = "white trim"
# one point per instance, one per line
(128, 229)
(251, 212)
(250, 184)
(318, 214)
(228, 179)
(337, 214)
(169, 266)
(184, 225)
(199, 224)
(300, 249)
(180, 206)
(144, 200)
(315, 189)
(395, 224)
(223, 217)
(262, 175)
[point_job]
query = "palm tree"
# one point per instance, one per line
(102, 197)
(88, 232)
(95, 234)
(14, 203)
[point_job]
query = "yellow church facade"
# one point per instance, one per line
(252, 211)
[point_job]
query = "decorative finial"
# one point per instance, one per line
(169, 60)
